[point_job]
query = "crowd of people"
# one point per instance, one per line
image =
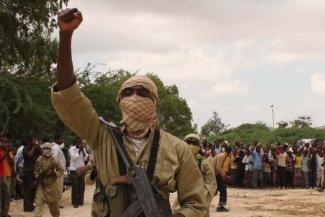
(38, 172)
(265, 166)
(245, 166)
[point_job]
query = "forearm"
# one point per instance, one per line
(65, 76)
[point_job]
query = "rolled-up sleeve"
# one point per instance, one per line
(76, 112)
(191, 190)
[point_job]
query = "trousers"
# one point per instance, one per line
(222, 188)
(4, 195)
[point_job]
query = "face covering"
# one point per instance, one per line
(195, 149)
(47, 152)
(138, 115)
(61, 146)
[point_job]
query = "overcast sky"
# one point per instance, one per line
(236, 57)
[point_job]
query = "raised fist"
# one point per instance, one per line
(69, 19)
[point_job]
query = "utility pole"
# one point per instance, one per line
(272, 108)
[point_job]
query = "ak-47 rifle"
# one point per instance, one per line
(146, 202)
(45, 173)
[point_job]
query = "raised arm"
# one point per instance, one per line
(68, 21)
(72, 106)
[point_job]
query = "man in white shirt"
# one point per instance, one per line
(78, 156)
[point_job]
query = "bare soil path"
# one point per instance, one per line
(242, 203)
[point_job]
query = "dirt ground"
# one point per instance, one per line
(241, 202)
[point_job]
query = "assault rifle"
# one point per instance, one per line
(45, 173)
(146, 202)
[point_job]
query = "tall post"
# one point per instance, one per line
(272, 107)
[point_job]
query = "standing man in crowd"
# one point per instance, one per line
(78, 156)
(59, 157)
(257, 166)
(220, 162)
(137, 100)
(30, 152)
(5, 174)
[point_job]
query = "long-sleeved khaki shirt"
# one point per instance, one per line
(175, 170)
(50, 192)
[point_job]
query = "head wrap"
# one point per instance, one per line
(47, 149)
(138, 113)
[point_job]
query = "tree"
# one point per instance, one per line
(302, 122)
(213, 126)
(283, 124)
(25, 36)
(27, 56)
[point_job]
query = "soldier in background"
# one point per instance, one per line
(205, 166)
(99, 206)
(47, 171)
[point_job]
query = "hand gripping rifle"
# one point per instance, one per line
(146, 202)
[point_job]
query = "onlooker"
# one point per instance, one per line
(217, 148)
(313, 168)
(234, 167)
(274, 168)
(5, 174)
(290, 169)
(240, 169)
(30, 152)
(320, 168)
(222, 165)
(267, 171)
(19, 164)
(78, 156)
(298, 180)
(305, 168)
(282, 167)
(257, 166)
(248, 161)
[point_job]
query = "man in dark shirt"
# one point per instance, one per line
(31, 152)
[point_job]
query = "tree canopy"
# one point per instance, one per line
(214, 126)
(260, 132)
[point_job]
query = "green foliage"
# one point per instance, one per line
(301, 122)
(259, 132)
(26, 107)
(25, 36)
(27, 56)
(214, 126)
(173, 112)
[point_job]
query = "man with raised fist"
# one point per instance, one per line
(170, 165)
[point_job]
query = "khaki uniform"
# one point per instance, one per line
(50, 194)
(210, 184)
(175, 170)
(99, 205)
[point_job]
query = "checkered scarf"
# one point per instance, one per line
(138, 113)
